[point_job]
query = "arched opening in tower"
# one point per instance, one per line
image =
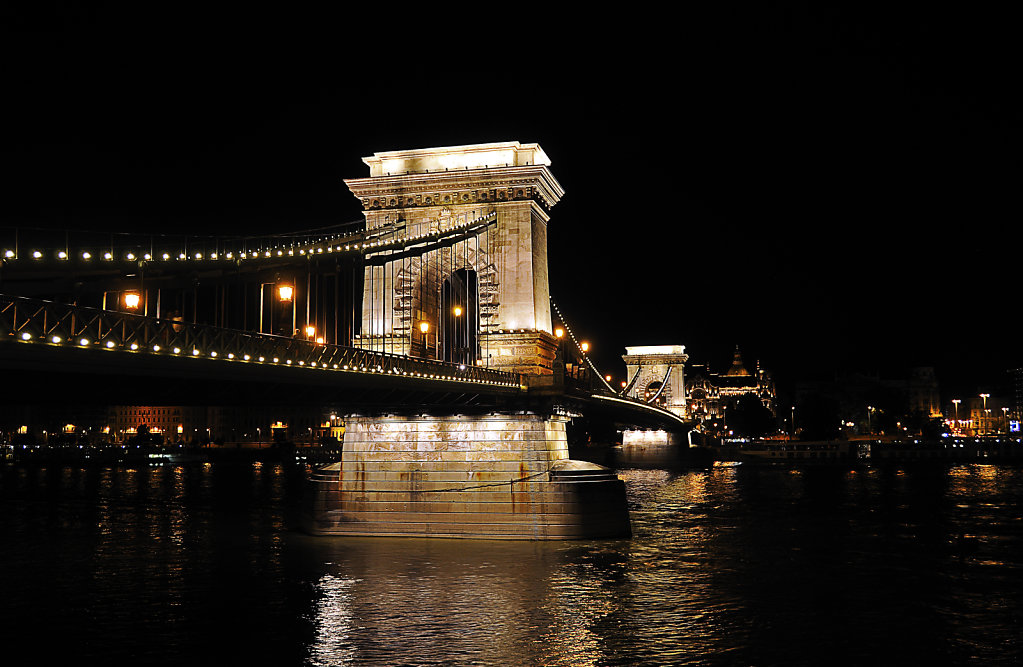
(651, 394)
(460, 317)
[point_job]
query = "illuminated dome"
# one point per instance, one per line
(737, 369)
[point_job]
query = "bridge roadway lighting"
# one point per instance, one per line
(285, 292)
(132, 300)
(585, 346)
(310, 331)
(559, 333)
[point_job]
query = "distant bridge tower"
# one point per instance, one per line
(480, 298)
(655, 383)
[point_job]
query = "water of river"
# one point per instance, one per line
(728, 566)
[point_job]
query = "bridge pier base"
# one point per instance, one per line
(499, 476)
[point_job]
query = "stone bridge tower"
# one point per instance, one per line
(482, 297)
(652, 363)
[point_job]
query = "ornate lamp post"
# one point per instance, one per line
(424, 328)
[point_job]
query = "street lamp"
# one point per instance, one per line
(984, 398)
(132, 300)
(457, 347)
(585, 346)
(870, 409)
(424, 328)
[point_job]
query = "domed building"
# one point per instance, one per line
(709, 393)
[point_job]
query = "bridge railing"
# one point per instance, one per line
(51, 323)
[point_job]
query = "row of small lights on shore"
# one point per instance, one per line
(135, 347)
(309, 249)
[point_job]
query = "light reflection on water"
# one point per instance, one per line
(729, 565)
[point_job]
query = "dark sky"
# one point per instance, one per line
(827, 191)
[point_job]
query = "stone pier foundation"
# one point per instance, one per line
(495, 476)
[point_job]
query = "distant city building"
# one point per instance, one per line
(228, 423)
(172, 423)
(709, 393)
(1017, 386)
(922, 393)
(867, 403)
(982, 415)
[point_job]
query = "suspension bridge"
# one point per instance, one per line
(431, 321)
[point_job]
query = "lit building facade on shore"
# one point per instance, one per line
(710, 393)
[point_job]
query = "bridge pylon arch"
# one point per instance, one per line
(502, 193)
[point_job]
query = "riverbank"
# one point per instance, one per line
(955, 450)
(161, 455)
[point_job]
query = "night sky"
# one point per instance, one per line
(831, 192)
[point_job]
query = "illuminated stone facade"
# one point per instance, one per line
(654, 383)
(710, 393)
(495, 476)
(501, 269)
